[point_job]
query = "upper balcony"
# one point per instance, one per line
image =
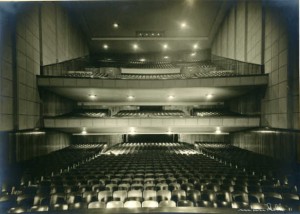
(151, 83)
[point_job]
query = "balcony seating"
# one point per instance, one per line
(213, 113)
(136, 113)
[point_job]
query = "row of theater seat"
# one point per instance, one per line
(165, 113)
(58, 160)
(243, 158)
(147, 204)
(157, 172)
(201, 74)
(190, 198)
(213, 113)
(99, 113)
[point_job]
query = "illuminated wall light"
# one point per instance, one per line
(195, 46)
(115, 25)
(105, 46)
(171, 97)
(130, 97)
(218, 132)
(169, 132)
(84, 132)
(142, 59)
(165, 46)
(209, 96)
(193, 54)
(132, 131)
(166, 57)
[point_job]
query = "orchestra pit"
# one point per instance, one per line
(149, 106)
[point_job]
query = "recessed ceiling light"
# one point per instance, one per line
(165, 46)
(105, 46)
(92, 96)
(115, 25)
(195, 46)
(193, 54)
(142, 59)
(130, 97)
(171, 97)
(183, 25)
(209, 96)
(166, 57)
(135, 46)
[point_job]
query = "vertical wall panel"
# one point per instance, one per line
(29, 146)
(275, 104)
(6, 73)
(254, 32)
(240, 31)
(28, 66)
(268, 37)
(54, 105)
(231, 34)
(61, 39)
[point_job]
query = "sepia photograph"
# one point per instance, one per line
(149, 106)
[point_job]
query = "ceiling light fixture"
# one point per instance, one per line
(92, 96)
(171, 97)
(135, 46)
(165, 46)
(195, 46)
(183, 25)
(115, 25)
(130, 97)
(209, 96)
(142, 59)
(105, 46)
(166, 57)
(193, 54)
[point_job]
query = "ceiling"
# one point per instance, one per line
(152, 130)
(181, 24)
(181, 96)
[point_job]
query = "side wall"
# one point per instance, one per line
(6, 72)
(32, 36)
(61, 39)
(266, 33)
(263, 32)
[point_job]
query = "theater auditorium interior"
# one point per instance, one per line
(149, 106)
